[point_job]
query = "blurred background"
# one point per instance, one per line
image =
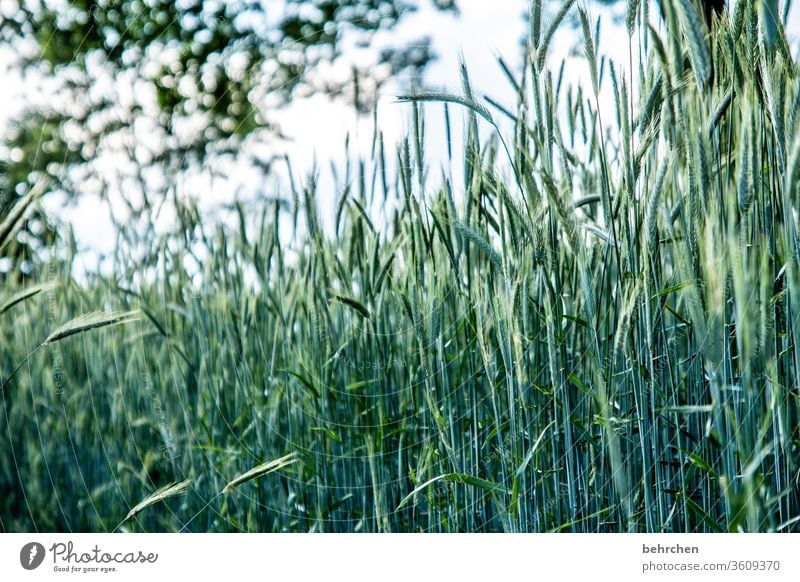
(129, 106)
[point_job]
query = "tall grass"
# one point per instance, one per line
(597, 335)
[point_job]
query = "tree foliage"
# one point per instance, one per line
(169, 84)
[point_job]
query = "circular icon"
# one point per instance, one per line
(31, 555)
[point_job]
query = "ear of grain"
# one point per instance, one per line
(359, 307)
(467, 101)
(475, 238)
(551, 30)
(653, 205)
(745, 187)
(262, 470)
(631, 16)
(162, 494)
(536, 22)
(12, 222)
(698, 49)
(27, 293)
(652, 106)
(589, 48)
(91, 321)
(720, 110)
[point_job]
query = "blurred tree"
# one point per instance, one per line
(165, 85)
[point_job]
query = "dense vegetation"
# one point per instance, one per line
(597, 335)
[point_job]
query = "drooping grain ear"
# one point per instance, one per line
(161, 494)
(13, 221)
(90, 321)
(23, 295)
(261, 470)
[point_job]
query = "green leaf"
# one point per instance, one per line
(488, 486)
(699, 462)
(697, 510)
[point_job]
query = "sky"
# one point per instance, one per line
(318, 125)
